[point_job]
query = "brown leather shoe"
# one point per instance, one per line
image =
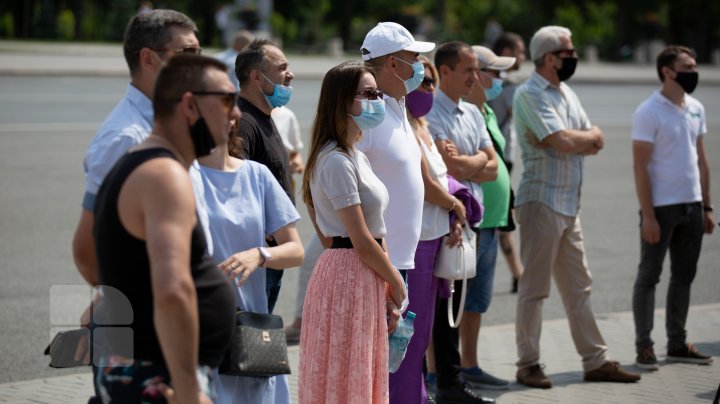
(533, 376)
(611, 371)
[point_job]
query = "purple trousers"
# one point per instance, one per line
(407, 385)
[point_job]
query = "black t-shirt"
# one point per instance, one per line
(124, 265)
(262, 143)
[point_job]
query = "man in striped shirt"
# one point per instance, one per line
(555, 135)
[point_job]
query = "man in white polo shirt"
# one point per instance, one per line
(391, 147)
(395, 155)
(672, 181)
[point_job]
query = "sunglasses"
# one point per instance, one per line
(371, 94)
(561, 51)
(189, 50)
(229, 100)
(428, 82)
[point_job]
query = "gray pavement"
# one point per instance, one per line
(673, 383)
(37, 80)
(42, 59)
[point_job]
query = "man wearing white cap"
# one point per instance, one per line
(555, 135)
(395, 157)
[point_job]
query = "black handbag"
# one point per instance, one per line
(258, 347)
(63, 346)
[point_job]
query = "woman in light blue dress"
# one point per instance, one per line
(243, 205)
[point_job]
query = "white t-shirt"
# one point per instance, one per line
(673, 132)
(288, 127)
(435, 220)
(394, 156)
(339, 181)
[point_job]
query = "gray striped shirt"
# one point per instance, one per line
(549, 176)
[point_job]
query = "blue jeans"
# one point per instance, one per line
(479, 290)
(681, 231)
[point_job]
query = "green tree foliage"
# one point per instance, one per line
(614, 26)
(66, 25)
(592, 24)
(45, 18)
(7, 26)
(91, 26)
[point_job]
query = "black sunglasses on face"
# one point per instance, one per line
(427, 82)
(229, 99)
(371, 94)
(189, 50)
(561, 51)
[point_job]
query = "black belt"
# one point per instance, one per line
(344, 242)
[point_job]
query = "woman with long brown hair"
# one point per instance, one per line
(354, 293)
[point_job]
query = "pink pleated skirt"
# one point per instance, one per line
(344, 341)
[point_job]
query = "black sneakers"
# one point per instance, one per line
(688, 354)
(460, 393)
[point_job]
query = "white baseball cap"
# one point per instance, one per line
(489, 60)
(389, 37)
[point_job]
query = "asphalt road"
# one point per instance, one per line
(46, 124)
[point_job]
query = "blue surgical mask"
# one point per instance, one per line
(371, 115)
(492, 92)
(413, 82)
(280, 96)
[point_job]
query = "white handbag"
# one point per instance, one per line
(456, 263)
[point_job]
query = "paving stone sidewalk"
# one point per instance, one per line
(673, 383)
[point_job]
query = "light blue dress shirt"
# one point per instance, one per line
(128, 124)
(464, 125)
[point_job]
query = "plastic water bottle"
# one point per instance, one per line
(399, 340)
(406, 301)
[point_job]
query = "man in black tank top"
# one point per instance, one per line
(152, 251)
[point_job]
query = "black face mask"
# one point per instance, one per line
(202, 138)
(687, 80)
(567, 69)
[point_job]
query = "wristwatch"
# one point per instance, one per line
(708, 208)
(265, 254)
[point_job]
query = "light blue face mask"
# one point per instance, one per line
(413, 82)
(280, 96)
(371, 115)
(492, 92)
